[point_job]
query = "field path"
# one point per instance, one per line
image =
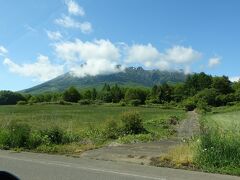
(141, 153)
(190, 126)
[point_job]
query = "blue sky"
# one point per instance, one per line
(40, 40)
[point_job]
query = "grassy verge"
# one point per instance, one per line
(216, 149)
(180, 157)
(219, 150)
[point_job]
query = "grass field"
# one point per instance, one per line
(77, 117)
(225, 118)
(75, 128)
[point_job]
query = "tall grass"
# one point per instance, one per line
(219, 147)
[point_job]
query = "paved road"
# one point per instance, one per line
(31, 166)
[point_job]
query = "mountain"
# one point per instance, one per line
(130, 77)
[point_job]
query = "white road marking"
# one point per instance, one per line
(72, 165)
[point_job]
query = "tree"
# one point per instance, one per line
(197, 82)
(154, 92)
(208, 96)
(222, 85)
(179, 92)
(94, 94)
(87, 95)
(106, 87)
(165, 94)
(136, 93)
(71, 95)
(10, 98)
(117, 93)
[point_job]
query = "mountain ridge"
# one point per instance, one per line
(130, 77)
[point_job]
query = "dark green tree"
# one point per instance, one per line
(94, 94)
(117, 94)
(10, 98)
(222, 85)
(71, 95)
(136, 93)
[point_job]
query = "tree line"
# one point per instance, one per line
(199, 89)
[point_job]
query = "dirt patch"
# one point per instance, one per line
(142, 153)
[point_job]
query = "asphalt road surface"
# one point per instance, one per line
(32, 166)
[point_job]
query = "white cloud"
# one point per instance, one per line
(54, 35)
(79, 50)
(151, 57)
(74, 8)
(102, 56)
(235, 78)
(68, 22)
(214, 62)
(95, 67)
(42, 69)
(89, 58)
(3, 51)
(146, 55)
(181, 54)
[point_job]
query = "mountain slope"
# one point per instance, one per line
(131, 76)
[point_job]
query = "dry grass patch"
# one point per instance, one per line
(180, 156)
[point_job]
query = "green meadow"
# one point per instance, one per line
(78, 117)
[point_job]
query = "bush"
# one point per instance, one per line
(5, 139)
(111, 130)
(122, 103)
(62, 102)
(18, 135)
(98, 102)
(21, 102)
(203, 106)
(132, 123)
(35, 140)
(173, 120)
(55, 135)
(84, 102)
(135, 102)
(189, 104)
(69, 137)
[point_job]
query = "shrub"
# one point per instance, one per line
(35, 140)
(132, 123)
(18, 135)
(55, 135)
(84, 102)
(122, 103)
(173, 120)
(98, 102)
(69, 137)
(135, 102)
(21, 102)
(189, 104)
(111, 130)
(4, 139)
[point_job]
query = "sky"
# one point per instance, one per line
(40, 40)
